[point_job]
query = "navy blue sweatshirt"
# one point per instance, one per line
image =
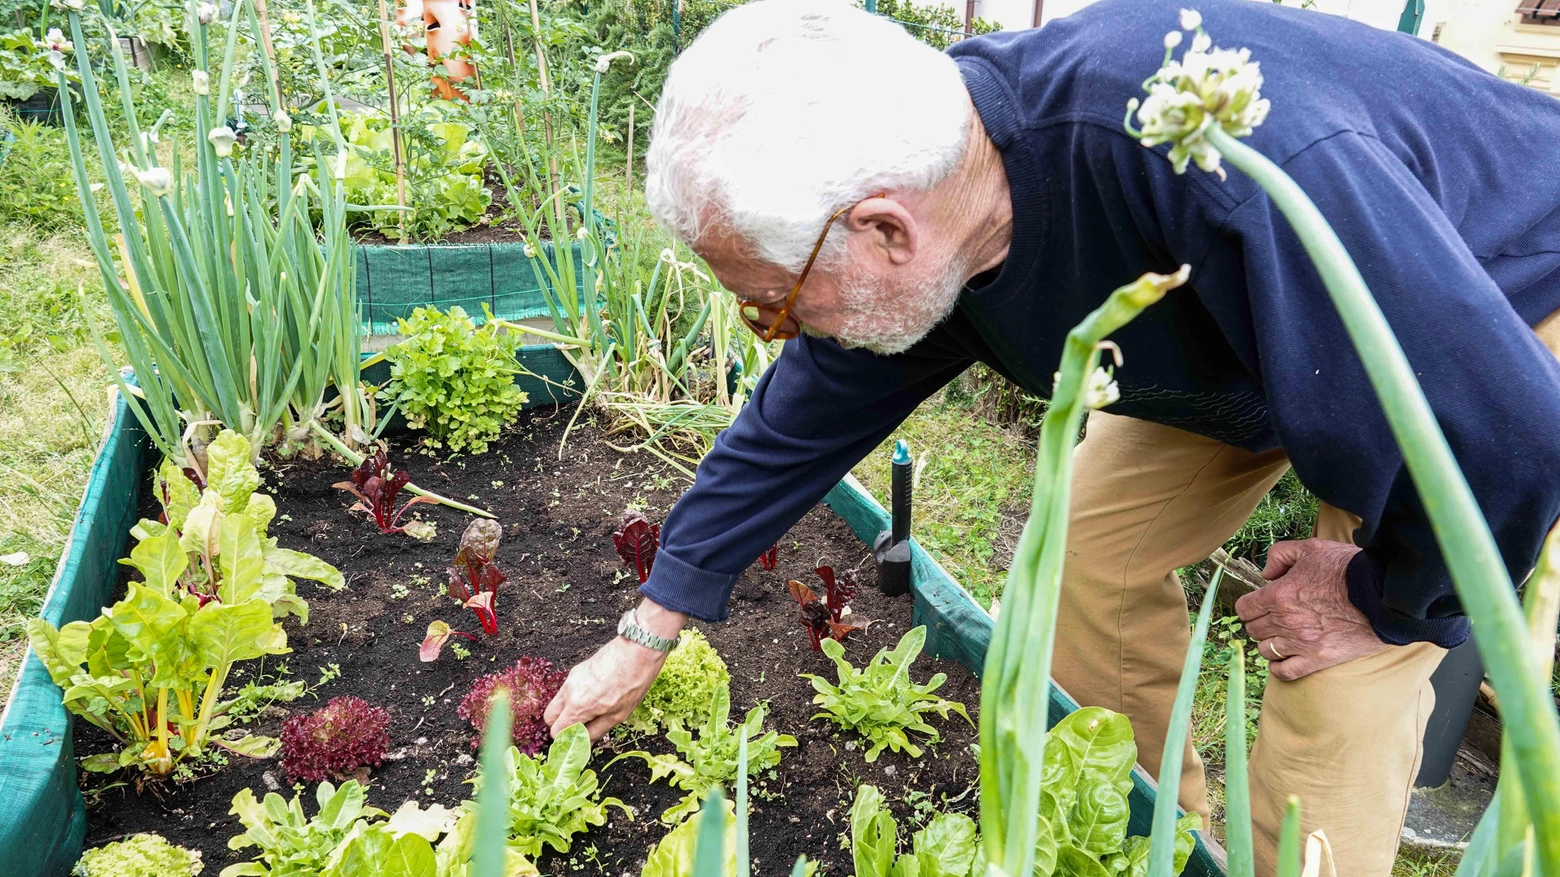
(1439, 178)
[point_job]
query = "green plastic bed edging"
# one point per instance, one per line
(42, 815)
(394, 280)
(957, 629)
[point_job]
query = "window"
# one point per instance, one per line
(1539, 11)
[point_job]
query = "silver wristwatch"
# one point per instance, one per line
(629, 629)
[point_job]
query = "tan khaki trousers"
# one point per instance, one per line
(1150, 499)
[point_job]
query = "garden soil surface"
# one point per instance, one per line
(566, 590)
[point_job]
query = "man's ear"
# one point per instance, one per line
(888, 228)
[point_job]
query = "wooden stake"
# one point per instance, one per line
(509, 51)
(541, 69)
(395, 118)
(270, 53)
(630, 147)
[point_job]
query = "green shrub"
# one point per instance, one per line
(140, 855)
(453, 379)
(689, 679)
(37, 184)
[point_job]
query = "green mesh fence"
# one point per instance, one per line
(392, 281)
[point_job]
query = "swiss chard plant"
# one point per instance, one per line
(376, 485)
(636, 541)
(685, 687)
(769, 558)
(453, 379)
(552, 798)
(825, 618)
(707, 755)
(334, 740)
(344, 838)
(221, 531)
(474, 577)
(530, 685)
(880, 701)
(151, 668)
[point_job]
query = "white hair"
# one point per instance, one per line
(784, 111)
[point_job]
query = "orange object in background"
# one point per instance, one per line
(448, 23)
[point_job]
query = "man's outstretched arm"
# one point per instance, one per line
(818, 411)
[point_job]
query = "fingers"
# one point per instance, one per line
(1255, 604)
(1264, 627)
(598, 727)
(1281, 556)
(556, 706)
(1292, 669)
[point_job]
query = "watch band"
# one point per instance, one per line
(629, 629)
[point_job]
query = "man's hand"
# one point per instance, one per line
(1303, 622)
(603, 689)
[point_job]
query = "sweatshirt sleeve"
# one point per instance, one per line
(1493, 386)
(819, 410)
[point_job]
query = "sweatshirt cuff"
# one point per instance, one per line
(1365, 579)
(683, 588)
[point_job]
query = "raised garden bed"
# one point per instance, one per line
(560, 603)
(563, 598)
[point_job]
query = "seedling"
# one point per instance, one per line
(771, 557)
(376, 486)
(474, 579)
(825, 618)
(637, 540)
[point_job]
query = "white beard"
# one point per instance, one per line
(887, 321)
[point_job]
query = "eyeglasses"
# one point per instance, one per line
(770, 323)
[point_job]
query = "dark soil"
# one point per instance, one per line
(566, 590)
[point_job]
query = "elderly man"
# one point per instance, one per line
(973, 206)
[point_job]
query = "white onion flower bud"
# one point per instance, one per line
(201, 81)
(1172, 39)
(582, 234)
(222, 139)
(69, 5)
(1191, 19)
(605, 61)
(156, 180)
(530, 251)
(282, 120)
(206, 13)
(1186, 98)
(1101, 389)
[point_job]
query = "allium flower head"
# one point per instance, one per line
(201, 80)
(1206, 87)
(283, 121)
(605, 61)
(222, 139)
(57, 46)
(156, 180)
(1101, 389)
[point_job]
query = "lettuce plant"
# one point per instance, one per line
(334, 740)
(946, 847)
(636, 541)
(376, 486)
(825, 618)
(453, 380)
(879, 701)
(474, 578)
(673, 855)
(443, 168)
(531, 684)
(552, 797)
(709, 758)
(140, 855)
(687, 684)
(345, 837)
